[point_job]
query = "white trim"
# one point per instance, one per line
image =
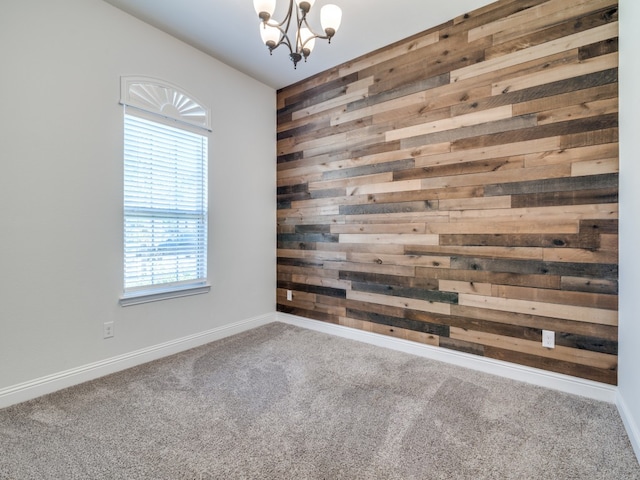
(633, 431)
(138, 297)
(57, 381)
(564, 383)
(556, 381)
(165, 99)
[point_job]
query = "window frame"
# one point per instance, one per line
(165, 104)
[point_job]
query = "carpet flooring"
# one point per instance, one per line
(282, 402)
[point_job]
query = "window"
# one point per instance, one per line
(165, 196)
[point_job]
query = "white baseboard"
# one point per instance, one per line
(556, 381)
(57, 381)
(51, 383)
(633, 430)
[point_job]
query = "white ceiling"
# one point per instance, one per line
(228, 30)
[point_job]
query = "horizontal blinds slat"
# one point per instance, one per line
(165, 204)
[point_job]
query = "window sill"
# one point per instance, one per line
(147, 296)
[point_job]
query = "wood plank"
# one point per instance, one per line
(388, 208)
(367, 277)
(605, 332)
(453, 135)
(523, 36)
(583, 299)
(502, 227)
(568, 42)
(571, 155)
(536, 17)
(392, 238)
(408, 271)
(568, 213)
(603, 375)
(390, 53)
(308, 313)
(314, 255)
(462, 168)
(578, 255)
(393, 331)
(467, 120)
(494, 151)
(465, 287)
(504, 252)
(480, 276)
(414, 304)
(400, 322)
(587, 284)
(523, 267)
(568, 312)
(435, 261)
(552, 185)
(583, 357)
(406, 292)
(356, 90)
(585, 67)
(572, 99)
(595, 167)
(380, 228)
(507, 175)
(351, 181)
(386, 185)
(583, 110)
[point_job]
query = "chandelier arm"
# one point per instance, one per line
(284, 41)
(314, 35)
(300, 21)
(283, 27)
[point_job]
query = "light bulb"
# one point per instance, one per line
(270, 35)
(330, 17)
(264, 6)
(309, 38)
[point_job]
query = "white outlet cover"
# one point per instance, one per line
(107, 329)
(548, 338)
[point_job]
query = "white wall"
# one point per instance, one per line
(629, 374)
(61, 187)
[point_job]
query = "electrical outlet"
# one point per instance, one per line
(548, 338)
(107, 329)
(289, 295)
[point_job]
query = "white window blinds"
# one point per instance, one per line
(165, 207)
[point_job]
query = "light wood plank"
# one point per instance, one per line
(451, 123)
(585, 67)
(390, 238)
(569, 312)
(569, 42)
(471, 288)
(595, 167)
(412, 303)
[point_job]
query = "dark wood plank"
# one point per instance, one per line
(572, 197)
(406, 292)
(536, 267)
(424, 327)
(559, 366)
(589, 182)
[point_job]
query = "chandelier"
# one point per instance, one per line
(303, 40)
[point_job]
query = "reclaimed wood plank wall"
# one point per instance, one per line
(459, 188)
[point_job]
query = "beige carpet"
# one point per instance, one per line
(281, 402)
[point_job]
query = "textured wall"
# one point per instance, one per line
(460, 188)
